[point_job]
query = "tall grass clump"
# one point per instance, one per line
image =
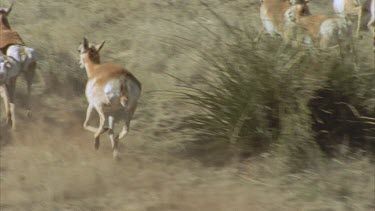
(255, 96)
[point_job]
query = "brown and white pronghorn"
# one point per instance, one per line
(12, 45)
(323, 30)
(272, 15)
(109, 88)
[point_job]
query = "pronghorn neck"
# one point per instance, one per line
(4, 24)
(90, 64)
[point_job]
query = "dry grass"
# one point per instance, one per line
(49, 162)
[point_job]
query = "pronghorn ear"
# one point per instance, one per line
(99, 47)
(10, 8)
(85, 43)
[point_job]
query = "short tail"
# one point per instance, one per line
(123, 98)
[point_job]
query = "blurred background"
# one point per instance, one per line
(230, 118)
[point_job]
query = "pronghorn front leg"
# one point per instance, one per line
(88, 116)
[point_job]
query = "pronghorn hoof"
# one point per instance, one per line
(10, 123)
(116, 156)
(28, 114)
(96, 143)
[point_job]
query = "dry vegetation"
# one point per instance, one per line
(272, 162)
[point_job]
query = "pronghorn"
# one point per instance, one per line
(322, 29)
(12, 45)
(9, 69)
(354, 7)
(272, 15)
(109, 88)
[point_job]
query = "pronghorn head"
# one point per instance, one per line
(89, 51)
(4, 12)
(296, 11)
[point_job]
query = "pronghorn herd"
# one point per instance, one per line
(285, 17)
(111, 88)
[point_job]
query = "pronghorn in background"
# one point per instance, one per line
(349, 8)
(325, 31)
(109, 88)
(362, 11)
(12, 45)
(272, 16)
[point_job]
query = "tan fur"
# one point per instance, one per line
(272, 13)
(323, 30)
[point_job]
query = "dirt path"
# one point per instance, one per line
(49, 163)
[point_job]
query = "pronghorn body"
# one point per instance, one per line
(109, 88)
(325, 31)
(272, 14)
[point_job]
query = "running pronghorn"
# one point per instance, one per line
(354, 7)
(9, 69)
(272, 15)
(325, 31)
(109, 88)
(12, 45)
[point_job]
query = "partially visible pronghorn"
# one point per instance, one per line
(272, 15)
(12, 45)
(322, 29)
(27, 61)
(371, 23)
(109, 88)
(349, 7)
(9, 69)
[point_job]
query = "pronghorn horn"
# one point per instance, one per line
(99, 47)
(10, 8)
(85, 43)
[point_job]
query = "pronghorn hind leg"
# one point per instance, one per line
(29, 76)
(127, 117)
(114, 139)
(8, 112)
(11, 88)
(101, 128)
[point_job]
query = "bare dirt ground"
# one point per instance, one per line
(49, 161)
